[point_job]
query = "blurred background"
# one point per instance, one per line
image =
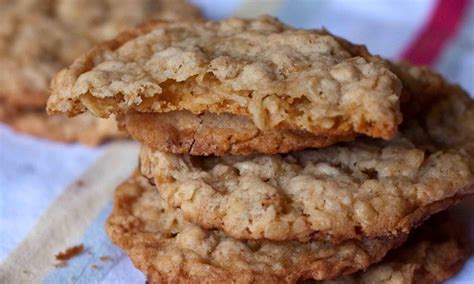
(438, 33)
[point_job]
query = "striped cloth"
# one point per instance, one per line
(54, 196)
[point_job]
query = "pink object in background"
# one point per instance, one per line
(442, 25)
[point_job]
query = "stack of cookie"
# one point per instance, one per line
(274, 154)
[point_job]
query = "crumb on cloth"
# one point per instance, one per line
(69, 253)
(95, 266)
(105, 258)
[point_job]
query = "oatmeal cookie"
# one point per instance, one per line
(38, 38)
(183, 132)
(421, 87)
(169, 249)
(278, 76)
(435, 252)
(85, 128)
(364, 188)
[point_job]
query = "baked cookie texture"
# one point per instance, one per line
(85, 128)
(105, 19)
(38, 38)
(364, 188)
(433, 253)
(169, 249)
(32, 49)
(421, 87)
(183, 132)
(278, 76)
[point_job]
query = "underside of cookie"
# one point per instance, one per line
(169, 249)
(364, 188)
(277, 76)
(210, 134)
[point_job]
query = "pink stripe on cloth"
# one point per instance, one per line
(443, 24)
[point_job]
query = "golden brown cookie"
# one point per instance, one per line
(433, 253)
(364, 188)
(38, 38)
(182, 132)
(32, 48)
(421, 87)
(85, 128)
(277, 76)
(169, 249)
(104, 19)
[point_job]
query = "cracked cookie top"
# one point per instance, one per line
(279, 76)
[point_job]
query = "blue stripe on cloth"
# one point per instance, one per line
(87, 267)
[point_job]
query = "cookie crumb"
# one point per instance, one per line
(70, 253)
(79, 183)
(94, 266)
(104, 258)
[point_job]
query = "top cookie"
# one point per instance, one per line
(278, 76)
(182, 132)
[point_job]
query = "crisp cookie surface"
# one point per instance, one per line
(432, 254)
(182, 132)
(364, 188)
(38, 38)
(278, 76)
(169, 249)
